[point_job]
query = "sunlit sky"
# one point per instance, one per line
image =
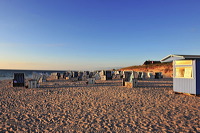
(95, 34)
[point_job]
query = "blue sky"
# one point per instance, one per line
(95, 34)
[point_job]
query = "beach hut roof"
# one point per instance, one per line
(179, 57)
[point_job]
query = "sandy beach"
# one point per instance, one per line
(64, 106)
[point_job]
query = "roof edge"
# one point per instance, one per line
(179, 57)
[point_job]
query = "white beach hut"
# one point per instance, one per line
(186, 73)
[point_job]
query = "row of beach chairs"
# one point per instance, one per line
(128, 77)
(19, 80)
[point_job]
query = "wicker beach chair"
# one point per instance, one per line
(18, 80)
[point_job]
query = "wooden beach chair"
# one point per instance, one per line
(80, 76)
(32, 83)
(150, 75)
(18, 80)
(36, 77)
(140, 75)
(97, 76)
(108, 75)
(117, 75)
(91, 74)
(130, 79)
(158, 75)
(85, 76)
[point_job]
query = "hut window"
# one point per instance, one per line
(179, 72)
(183, 62)
(183, 72)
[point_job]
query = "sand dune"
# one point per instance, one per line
(63, 106)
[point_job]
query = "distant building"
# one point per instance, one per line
(151, 62)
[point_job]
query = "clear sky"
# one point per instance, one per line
(95, 34)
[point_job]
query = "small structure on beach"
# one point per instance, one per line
(130, 79)
(37, 78)
(80, 75)
(75, 74)
(117, 72)
(68, 75)
(106, 75)
(158, 75)
(85, 75)
(150, 75)
(87, 72)
(142, 75)
(55, 75)
(97, 76)
(117, 75)
(186, 73)
(18, 80)
(32, 83)
(91, 74)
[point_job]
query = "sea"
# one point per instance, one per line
(8, 73)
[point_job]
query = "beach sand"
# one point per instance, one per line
(63, 106)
